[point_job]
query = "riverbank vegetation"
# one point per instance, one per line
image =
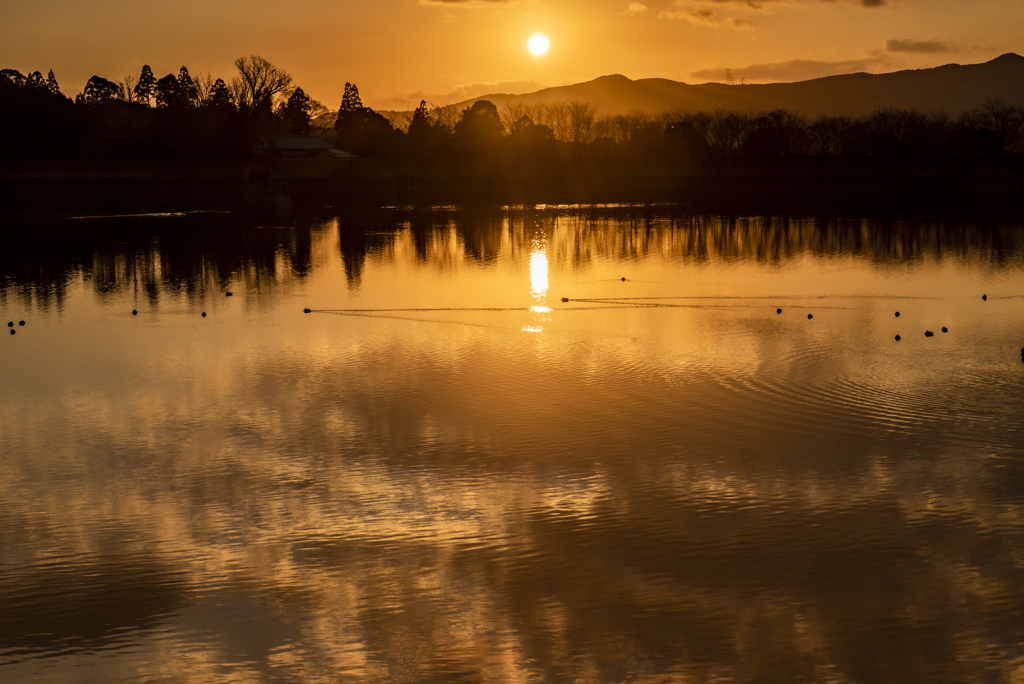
(185, 116)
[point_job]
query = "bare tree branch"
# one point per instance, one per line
(258, 82)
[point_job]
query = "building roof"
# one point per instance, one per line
(307, 144)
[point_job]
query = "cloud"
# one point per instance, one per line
(701, 16)
(927, 47)
(794, 70)
(760, 4)
(636, 8)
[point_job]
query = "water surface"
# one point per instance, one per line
(445, 472)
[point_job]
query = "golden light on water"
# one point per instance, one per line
(539, 275)
(538, 44)
(538, 286)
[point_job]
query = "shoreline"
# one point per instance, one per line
(281, 185)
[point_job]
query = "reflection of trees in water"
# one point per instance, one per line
(196, 255)
(190, 256)
(579, 235)
(481, 235)
(582, 235)
(360, 234)
(437, 238)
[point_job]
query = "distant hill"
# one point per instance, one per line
(952, 88)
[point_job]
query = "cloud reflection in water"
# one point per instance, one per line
(702, 493)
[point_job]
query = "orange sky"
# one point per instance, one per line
(399, 51)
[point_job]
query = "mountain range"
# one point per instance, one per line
(952, 88)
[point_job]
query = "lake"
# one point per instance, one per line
(556, 443)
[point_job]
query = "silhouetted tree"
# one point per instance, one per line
(13, 76)
(167, 92)
(188, 93)
(296, 112)
(99, 91)
(257, 83)
(581, 122)
(219, 96)
(829, 136)
(420, 120)
(361, 130)
(350, 100)
(35, 81)
(127, 85)
(444, 117)
(204, 86)
(1007, 123)
(36, 120)
(529, 140)
(479, 131)
(51, 83)
(425, 137)
(145, 87)
(776, 134)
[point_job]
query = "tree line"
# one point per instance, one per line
(575, 129)
(196, 116)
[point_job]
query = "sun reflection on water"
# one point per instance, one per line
(539, 273)
(538, 286)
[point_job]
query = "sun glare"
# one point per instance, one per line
(538, 44)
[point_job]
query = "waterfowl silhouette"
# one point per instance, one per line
(12, 331)
(778, 311)
(305, 311)
(623, 279)
(204, 314)
(134, 312)
(228, 294)
(929, 333)
(565, 299)
(810, 316)
(984, 298)
(897, 338)
(945, 329)
(897, 314)
(10, 324)
(21, 323)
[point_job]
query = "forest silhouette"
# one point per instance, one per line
(181, 116)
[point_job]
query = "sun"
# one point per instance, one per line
(538, 44)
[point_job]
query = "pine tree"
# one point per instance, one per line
(220, 96)
(145, 88)
(51, 83)
(423, 136)
(296, 112)
(360, 129)
(421, 117)
(350, 101)
(188, 93)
